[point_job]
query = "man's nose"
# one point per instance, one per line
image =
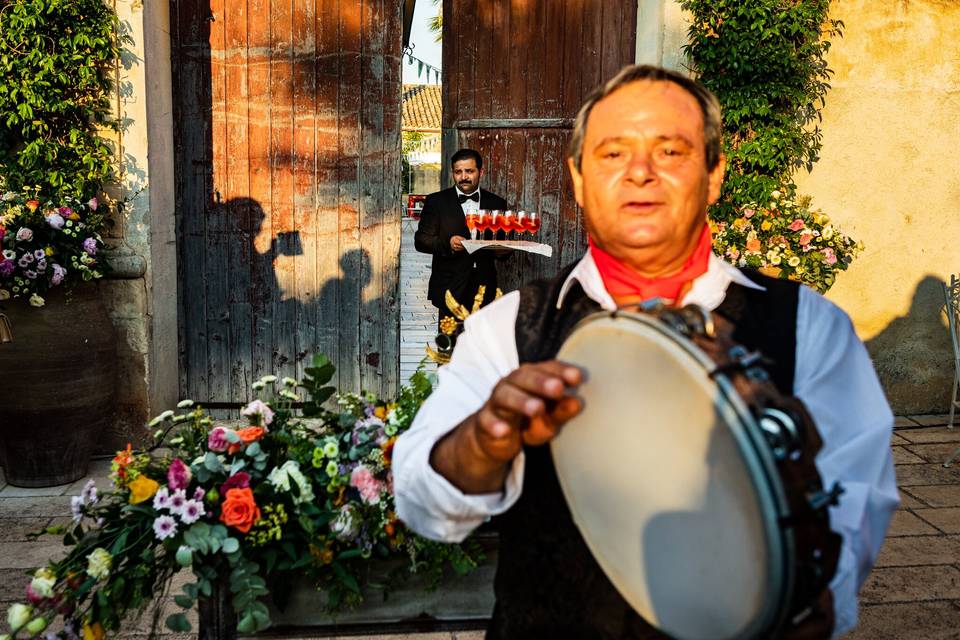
(640, 168)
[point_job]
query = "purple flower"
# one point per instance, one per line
(30, 273)
(55, 220)
(178, 475)
(191, 511)
(6, 268)
(66, 212)
(177, 500)
(90, 246)
(41, 265)
(76, 507)
(58, 274)
(217, 440)
(161, 500)
(24, 234)
(199, 493)
(89, 492)
(164, 527)
(25, 260)
(239, 480)
(39, 254)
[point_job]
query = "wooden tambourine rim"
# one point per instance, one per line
(757, 458)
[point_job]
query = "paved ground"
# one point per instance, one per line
(418, 318)
(914, 592)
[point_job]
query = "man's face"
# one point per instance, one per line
(643, 181)
(466, 175)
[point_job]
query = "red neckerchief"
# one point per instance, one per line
(623, 282)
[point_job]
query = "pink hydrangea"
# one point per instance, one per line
(217, 440)
(363, 480)
(178, 475)
(829, 257)
(796, 225)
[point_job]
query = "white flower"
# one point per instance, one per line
(4, 294)
(43, 582)
(775, 194)
(98, 563)
(9, 254)
(18, 615)
(281, 477)
(177, 499)
(36, 301)
(89, 493)
(55, 220)
(268, 379)
(76, 508)
(258, 408)
(289, 382)
(345, 525)
(183, 404)
(332, 468)
(24, 234)
(161, 499)
(164, 527)
(290, 395)
(191, 511)
(256, 386)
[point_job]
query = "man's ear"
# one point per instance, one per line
(577, 181)
(715, 180)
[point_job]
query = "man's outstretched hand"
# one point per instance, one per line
(527, 407)
(456, 243)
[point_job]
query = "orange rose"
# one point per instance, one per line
(239, 510)
(247, 435)
(753, 245)
(32, 205)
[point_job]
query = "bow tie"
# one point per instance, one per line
(475, 196)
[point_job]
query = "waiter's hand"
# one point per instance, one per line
(528, 406)
(456, 243)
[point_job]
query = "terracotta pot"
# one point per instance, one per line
(57, 388)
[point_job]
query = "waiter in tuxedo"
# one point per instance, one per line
(443, 229)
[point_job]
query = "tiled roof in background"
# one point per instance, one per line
(421, 107)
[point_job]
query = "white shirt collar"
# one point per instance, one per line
(708, 290)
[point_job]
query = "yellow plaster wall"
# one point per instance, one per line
(889, 174)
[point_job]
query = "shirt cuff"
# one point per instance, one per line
(432, 507)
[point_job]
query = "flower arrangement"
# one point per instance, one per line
(305, 490)
(47, 243)
(787, 239)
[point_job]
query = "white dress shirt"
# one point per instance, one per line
(833, 377)
(469, 205)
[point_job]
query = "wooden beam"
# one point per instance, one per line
(516, 123)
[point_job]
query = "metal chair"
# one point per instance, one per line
(951, 295)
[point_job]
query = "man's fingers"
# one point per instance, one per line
(544, 427)
(546, 379)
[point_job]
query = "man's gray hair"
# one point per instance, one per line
(709, 107)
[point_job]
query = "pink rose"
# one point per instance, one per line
(829, 257)
(805, 238)
(370, 488)
(796, 225)
(24, 234)
(93, 203)
(178, 475)
(217, 440)
(748, 213)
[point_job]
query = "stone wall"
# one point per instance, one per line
(141, 292)
(887, 175)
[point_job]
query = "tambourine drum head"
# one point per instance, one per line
(656, 482)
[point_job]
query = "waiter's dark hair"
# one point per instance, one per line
(466, 154)
(709, 107)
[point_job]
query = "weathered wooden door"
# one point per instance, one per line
(515, 74)
(288, 165)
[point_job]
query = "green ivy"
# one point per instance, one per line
(766, 62)
(58, 60)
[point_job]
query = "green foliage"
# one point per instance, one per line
(57, 59)
(766, 62)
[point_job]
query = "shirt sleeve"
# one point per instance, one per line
(427, 502)
(836, 381)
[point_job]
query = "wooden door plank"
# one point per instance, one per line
(328, 144)
(348, 177)
(224, 36)
(281, 196)
(262, 278)
(304, 182)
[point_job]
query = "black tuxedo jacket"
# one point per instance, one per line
(440, 219)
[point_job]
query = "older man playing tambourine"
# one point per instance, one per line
(646, 163)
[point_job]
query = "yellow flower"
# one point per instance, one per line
(142, 488)
(99, 562)
(380, 412)
(766, 225)
(48, 251)
(93, 632)
(794, 261)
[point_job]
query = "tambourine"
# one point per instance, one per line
(692, 478)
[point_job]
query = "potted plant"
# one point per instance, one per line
(245, 509)
(59, 353)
